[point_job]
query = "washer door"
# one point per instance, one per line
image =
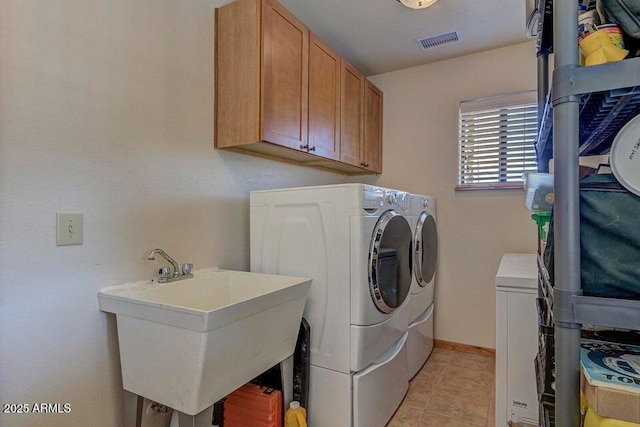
(426, 250)
(390, 261)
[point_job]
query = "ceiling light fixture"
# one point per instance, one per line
(417, 4)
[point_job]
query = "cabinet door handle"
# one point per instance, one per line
(304, 147)
(312, 148)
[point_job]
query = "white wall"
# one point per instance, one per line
(106, 108)
(420, 155)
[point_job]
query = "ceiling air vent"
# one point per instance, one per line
(429, 42)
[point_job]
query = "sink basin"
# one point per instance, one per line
(189, 343)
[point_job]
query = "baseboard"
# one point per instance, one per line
(465, 348)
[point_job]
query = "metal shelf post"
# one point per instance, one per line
(566, 218)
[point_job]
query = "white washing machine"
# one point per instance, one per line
(356, 244)
(420, 338)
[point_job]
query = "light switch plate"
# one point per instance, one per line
(68, 229)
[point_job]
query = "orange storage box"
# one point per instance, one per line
(253, 406)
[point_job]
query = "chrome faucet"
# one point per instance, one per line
(165, 272)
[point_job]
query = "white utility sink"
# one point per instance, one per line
(189, 343)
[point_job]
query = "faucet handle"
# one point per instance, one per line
(186, 269)
(165, 272)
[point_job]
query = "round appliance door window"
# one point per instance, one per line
(426, 255)
(390, 261)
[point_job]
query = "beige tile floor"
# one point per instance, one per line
(452, 389)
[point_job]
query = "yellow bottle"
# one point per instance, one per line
(296, 415)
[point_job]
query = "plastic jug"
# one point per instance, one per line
(296, 415)
(598, 49)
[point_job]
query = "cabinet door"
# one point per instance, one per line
(372, 144)
(284, 85)
(324, 100)
(351, 115)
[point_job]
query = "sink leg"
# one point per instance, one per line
(203, 419)
(286, 371)
(132, 409)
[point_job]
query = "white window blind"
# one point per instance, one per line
(496, 140)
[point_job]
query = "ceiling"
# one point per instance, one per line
(377, 36)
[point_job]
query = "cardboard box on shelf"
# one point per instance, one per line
(609, 379)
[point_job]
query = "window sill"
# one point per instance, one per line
(486, 187)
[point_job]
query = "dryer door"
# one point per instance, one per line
(390, 261)
(426, 250)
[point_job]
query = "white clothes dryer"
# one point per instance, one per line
(420, 338)
(355, 242)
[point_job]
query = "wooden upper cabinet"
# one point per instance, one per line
(324, 100)
(351, 115)
(261, 75)
(372, 144)
(285, 71)
(280, 91)
(361, 121)
(237, 74)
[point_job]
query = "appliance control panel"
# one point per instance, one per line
(398, 200)
(421, 204)
(379, 198)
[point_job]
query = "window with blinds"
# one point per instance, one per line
(496, 140)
